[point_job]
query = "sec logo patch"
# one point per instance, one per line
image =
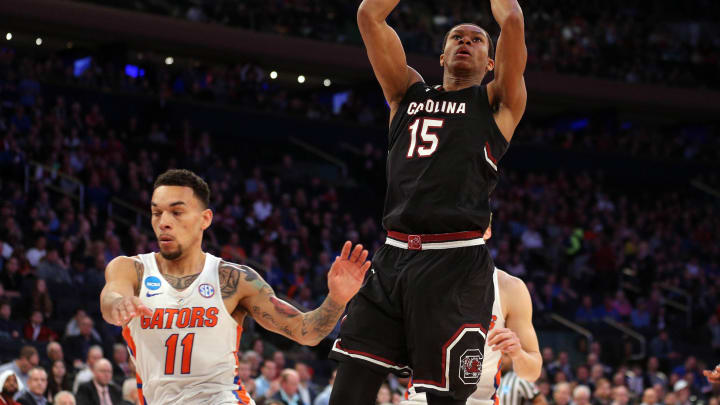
(206, 290)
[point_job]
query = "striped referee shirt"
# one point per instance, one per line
(514, 390)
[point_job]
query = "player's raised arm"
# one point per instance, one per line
(118, 300)
(308, 328)
(508, 87)
(385, 51)
(518, 339)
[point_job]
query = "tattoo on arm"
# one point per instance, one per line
(231, 274)
(139, 270)
(319, 323)
(283, 308)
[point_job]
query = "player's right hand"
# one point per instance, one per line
(126, 308)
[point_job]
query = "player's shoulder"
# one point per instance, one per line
(125, 262)
(509, 282)
(236, 277)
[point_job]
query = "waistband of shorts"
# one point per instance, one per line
(435, 241)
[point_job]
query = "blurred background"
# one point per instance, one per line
(607, 207)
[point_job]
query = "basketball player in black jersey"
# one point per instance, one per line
(426, 307)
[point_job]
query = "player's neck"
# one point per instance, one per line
(453, 81)
(190, 263)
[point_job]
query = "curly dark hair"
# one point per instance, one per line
(186, 178)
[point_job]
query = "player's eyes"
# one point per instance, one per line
(156, 214)
(477, 39)
(456, 37)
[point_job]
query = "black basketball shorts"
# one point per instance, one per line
(424, 311)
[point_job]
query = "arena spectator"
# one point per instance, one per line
(100, 390)
(54, 352)
(620, 395)
(323, 397)
(129, 392)
(306, 388)
(36, 331)
(581, 395)
(603, 393)
(121, 365)
(37, 252)
(37, 384)
(268, 375)
(78, 346)
(58, 379)
(561, 394)
(288, 392)
(39, 299)
(52, 269)
(86, 373)
(21, 366)
(649, 397)
(9, 329)
(11, 385)
(64, 398)
(681, 389)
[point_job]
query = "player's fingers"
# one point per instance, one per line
(365, 267)
(345, 250)
(117, 316)
(497, 335)
(356, 253)
(363, 256)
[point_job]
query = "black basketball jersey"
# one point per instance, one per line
(444, 149)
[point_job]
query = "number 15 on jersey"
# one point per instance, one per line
(428, 140)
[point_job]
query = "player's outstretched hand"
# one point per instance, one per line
(505, 340)
(713, 376)
(347, 273)
(126, 308)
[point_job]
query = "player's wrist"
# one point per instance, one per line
(334, 300)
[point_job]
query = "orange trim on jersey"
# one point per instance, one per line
(133, 349)
(242, 393)
(128, 338)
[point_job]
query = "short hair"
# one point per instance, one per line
(27, 351)
(287, 373)
(128, 386)
(186, 178)
(580, 389)
(491, 44)
(37, 368)
(59, 395)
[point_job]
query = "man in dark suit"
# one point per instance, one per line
(99, 391)
(306, 389)
(37, 384)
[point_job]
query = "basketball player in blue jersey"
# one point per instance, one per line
(182, 309)
(426, 308)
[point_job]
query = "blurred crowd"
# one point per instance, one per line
(588, 249)
(668, 43)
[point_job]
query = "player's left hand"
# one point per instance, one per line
(505, 340)
(713, 376)
(347, 273)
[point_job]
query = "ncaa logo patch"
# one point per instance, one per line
(152, 283)
(206, 290)
(471, 366)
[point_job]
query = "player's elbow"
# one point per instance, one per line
(309, 341)
(366, 15)
(530, 375)
(514, 20)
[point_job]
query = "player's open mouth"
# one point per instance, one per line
(463, 52)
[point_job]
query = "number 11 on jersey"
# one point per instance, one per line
(431, 138)
(171, 344)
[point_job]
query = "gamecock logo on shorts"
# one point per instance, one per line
(471, 366)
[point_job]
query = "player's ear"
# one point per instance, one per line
(207, 216)
(490, 65)
(442, 59)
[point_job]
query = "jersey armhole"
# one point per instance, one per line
(485, 101)
(404, 101)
